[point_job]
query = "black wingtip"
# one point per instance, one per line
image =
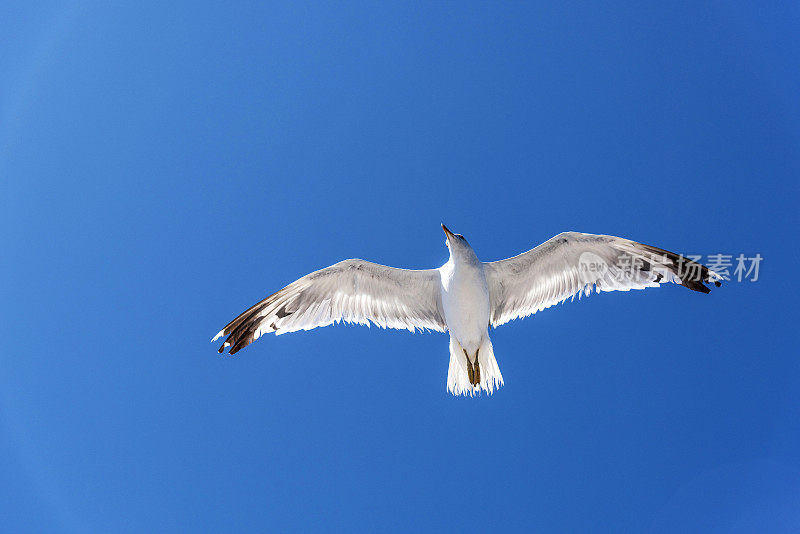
(695, 285)
(693, 275)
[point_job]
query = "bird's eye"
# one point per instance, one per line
(459, 236)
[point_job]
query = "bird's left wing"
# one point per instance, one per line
(353, 291)
(573, 263)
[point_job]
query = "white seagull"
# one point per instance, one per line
(464, 296)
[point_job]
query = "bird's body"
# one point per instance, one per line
(466, 307)
(465, 296)
(465, 301)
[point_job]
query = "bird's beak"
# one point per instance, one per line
(447, 231)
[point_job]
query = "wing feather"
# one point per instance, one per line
(353, 291)
(573, 263)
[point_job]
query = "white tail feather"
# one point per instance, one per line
(458, 378)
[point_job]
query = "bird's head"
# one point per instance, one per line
(456, 243)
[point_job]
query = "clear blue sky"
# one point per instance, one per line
(165, 165)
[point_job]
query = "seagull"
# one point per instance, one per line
(465, 295)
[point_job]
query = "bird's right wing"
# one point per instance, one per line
(353, 291)
(573, 263)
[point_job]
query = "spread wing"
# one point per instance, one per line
(573, 263)
(353, 291)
